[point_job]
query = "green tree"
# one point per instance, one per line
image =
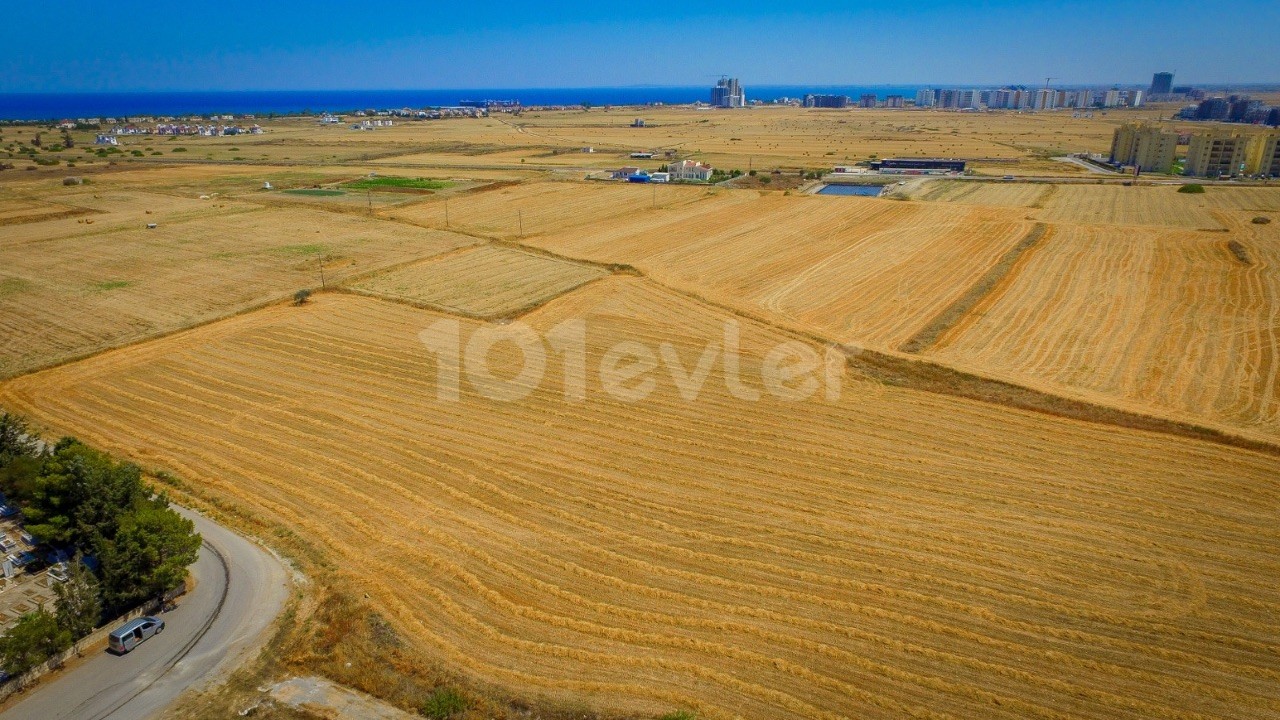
(149, 554)
(19, 457)
(35, 638)
(78, 601)
(16, 437)
(80, 495)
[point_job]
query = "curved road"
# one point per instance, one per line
(240, 589)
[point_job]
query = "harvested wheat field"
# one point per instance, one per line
(1003, 194)
(1174, 322)
(853, 269)
(887, 555)
(540, 207)
(1251, 199)
(71, 292)
(481, 282)
(1140, 205)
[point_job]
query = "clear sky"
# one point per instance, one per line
(392, 44)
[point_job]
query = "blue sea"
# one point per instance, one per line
(55, 106)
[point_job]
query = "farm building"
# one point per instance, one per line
(689, 170)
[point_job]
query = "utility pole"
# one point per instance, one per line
(446, 213)
(320, 262)
(369, 196)
(520, 219)
(655, 197)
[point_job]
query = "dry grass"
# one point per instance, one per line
(853, 269)
(896, 553)
(73, 289)
(529, 209)
(1168, 321)
(1002, 194)
(1160, 206)
(482, 282)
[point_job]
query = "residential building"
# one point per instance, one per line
(624, 172)
(689, 170)
(894, 101)
(1217, 153)
(1266, 156)
(1112, 98)
(827, 101)
(1134, 98)
(1044, 99)
(1148, 147)
(1161, 84)
(1215, 108)
(868, 100)
(728, 93)
(926, 98)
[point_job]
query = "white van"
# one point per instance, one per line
(129, 635)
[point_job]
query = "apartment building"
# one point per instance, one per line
(1265, 159)
(1148, 147)
(1217, 153)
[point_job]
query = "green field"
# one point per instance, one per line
(376, 183)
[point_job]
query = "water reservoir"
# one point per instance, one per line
(864, 190)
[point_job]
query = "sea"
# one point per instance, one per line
(55, 106)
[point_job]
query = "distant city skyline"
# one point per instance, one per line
(129, 46)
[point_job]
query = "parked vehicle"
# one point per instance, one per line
(129, 635)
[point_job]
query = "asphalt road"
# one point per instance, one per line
(240, 589)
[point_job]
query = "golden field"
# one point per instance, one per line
(892, 554)
(906, 550)
(1170, 320)
(68, 287)
(760, 138)
(481, 282)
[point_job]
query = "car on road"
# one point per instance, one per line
(129, 635)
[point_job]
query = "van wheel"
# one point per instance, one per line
(160, 629)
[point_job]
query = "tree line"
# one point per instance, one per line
(127, 544)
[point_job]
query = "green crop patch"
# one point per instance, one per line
(379, 183)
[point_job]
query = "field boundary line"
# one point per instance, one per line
(928, 335)
(926, 375)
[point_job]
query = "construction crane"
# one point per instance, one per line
(1047, 81)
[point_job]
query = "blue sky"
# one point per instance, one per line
(367, 44)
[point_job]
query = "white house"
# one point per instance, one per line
(689, 170)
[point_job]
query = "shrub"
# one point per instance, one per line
(72, 181)
(1261, 220)
(443, 704)
(679, 715)
(35, 638)
(178, 149)
(1191, 188)
(301, 297)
